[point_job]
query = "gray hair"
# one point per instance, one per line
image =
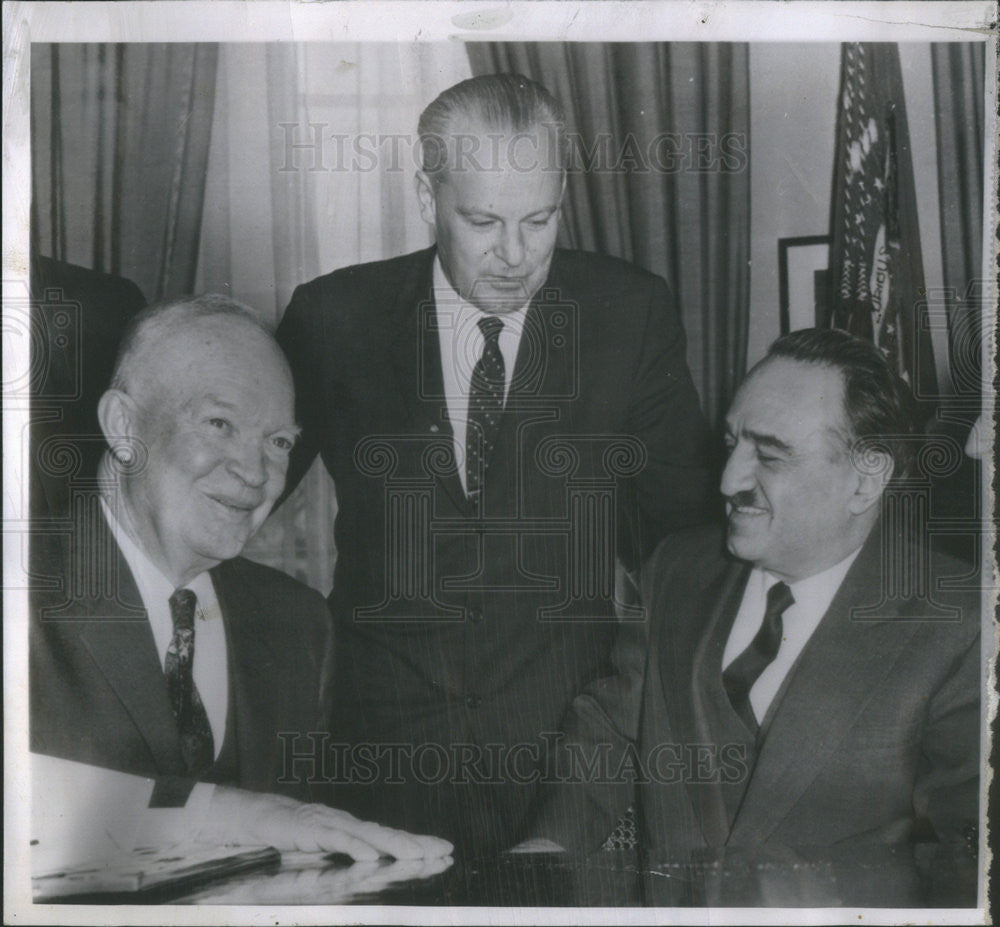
(509, 103)
(166, 317)
(878, 403)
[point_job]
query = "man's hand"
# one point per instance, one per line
(322, 882)
(239, 817)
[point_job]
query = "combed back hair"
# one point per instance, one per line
(505, 103)
(169, 316)
(878, 403)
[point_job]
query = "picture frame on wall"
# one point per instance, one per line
(803, 264)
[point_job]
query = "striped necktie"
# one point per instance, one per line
(740, 676)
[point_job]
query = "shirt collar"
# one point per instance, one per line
(153, 585)
(815, 592)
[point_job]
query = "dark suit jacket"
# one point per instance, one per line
(78, 317)
(98, 692)
(461, 628)
(872, 743)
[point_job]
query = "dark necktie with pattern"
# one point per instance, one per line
(739, 677)
(197, 744)
(486, 389)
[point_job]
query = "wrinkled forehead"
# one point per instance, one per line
(221, 357)
(791, 398)
(473, 144)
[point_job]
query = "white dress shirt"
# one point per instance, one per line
(812, 595)
(461, 347)
(211, 671)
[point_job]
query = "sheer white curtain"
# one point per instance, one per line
(310, 169)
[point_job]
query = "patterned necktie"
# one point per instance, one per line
(486, 390)
(197, 744)
(739, 677)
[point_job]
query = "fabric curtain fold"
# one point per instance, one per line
(659, 176)
(959, 113)
(311, 169)
(120, 139)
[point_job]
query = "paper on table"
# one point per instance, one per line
(81, 813)
(150, 872)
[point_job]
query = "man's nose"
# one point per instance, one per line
(738, 474)
(510, 248)
(249, 463)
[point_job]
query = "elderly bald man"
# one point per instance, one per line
(165, 654)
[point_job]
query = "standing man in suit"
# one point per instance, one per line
(158, 651)
(808, 706)
(503, 421)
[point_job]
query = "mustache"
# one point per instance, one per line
(745, 497)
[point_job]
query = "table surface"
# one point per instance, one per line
(615, 878)
(550, 880)
(876, 877)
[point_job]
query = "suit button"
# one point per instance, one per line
(476, 616)
(473, 701)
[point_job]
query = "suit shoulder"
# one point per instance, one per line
(347, 307)
(599, 285)
(269, 582)
(89, 285)
(962, 592)
(362, 279)
(603, 269)
(693, 554)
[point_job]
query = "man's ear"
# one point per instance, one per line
(426, 197)
(118, 416)
(871, 481)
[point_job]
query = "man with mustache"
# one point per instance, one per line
(807, 711)
(155, 649)
(503, 420)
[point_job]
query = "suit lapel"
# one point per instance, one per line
(544, 374)
(837, 673)
(125, 652)
(415, 358)
(252, 683)
(692, 678)
(548, 357)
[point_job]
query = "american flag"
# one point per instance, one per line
(876, 270)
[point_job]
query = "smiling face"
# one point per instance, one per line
(496, 224)
(792, 493)
(215, 409)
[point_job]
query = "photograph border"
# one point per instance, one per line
(423, 21)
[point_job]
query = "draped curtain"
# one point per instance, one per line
(311, 169)
(959, 111)
(664, 182)
(120, 139)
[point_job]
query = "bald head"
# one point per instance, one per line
(160, 328)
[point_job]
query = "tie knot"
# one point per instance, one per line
(779, 598)
(491, 327)
(182, 604)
